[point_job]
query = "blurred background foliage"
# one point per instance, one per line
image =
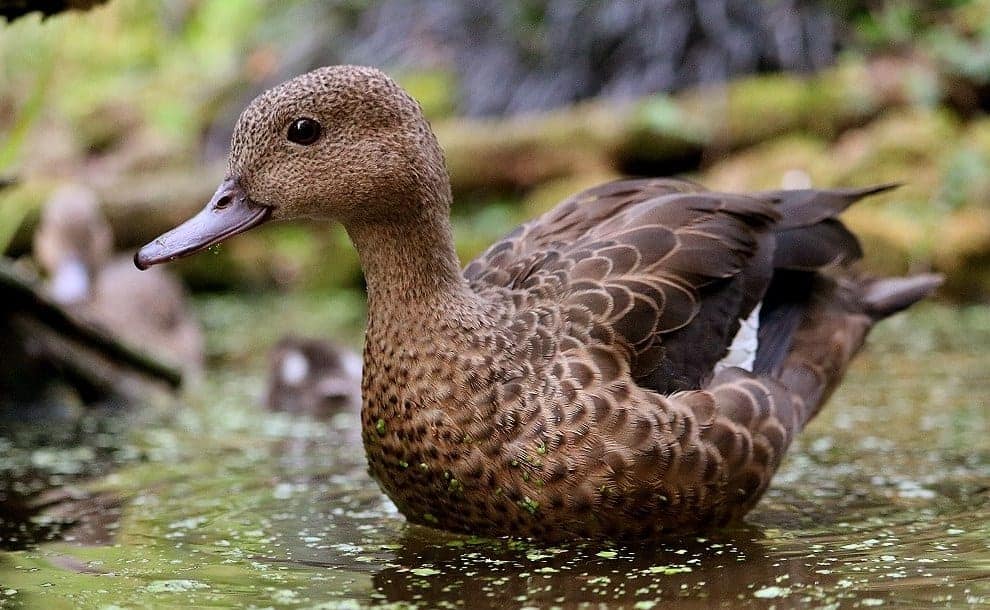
(532, 100)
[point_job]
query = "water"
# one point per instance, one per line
(883, 502)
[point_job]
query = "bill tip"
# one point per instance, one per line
(141, 262)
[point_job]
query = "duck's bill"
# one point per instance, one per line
(228, 213)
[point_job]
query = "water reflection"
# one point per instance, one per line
(44, 453)
(871, 551)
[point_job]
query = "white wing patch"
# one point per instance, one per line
(742, 352)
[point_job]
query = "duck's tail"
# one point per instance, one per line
(882, 297)
(817, 311)
(833, 326)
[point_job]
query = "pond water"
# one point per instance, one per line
(884, 501)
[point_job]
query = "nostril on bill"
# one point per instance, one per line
(223, 202)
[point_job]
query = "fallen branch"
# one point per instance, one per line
(71, 339)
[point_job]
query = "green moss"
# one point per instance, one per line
(762, 106)
(662, 114)
(663, 128)
(433, 89)
(767, 165)
(757, 108)
(530, 505)
(380, 427)
(20, 206)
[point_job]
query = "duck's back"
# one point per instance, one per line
(668, 285)
(672, 271)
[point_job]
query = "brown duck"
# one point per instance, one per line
(632, 363)
(74, 245)
(313, 376)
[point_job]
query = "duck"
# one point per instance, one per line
(151, 311)
(313, 376)
(632, 364)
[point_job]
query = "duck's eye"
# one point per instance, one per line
(303, 131)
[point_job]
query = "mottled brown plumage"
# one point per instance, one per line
(564, 384)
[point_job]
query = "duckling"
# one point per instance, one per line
(313, 376)
(74, 243)
(631, 364)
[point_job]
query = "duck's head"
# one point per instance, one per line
(73, 240)
(341, 143)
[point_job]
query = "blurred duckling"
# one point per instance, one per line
(74, 244)
(314, 377)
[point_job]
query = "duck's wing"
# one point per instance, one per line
(667, 271)
(634, 261)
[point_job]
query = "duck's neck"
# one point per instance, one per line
(412, 272)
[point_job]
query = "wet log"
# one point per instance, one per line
(666, 133)
(42, 345)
